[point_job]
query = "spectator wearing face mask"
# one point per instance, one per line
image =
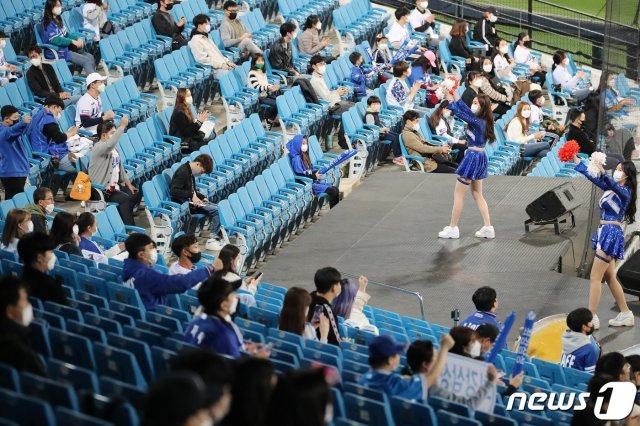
(382, 54)
(204, 50)
(475, 80)
(327, 282)
(43, 81)
(214, 328)
(294, 313)
(152, 285)
(164, 24)
(619, 141)
(423, 21)
(372, 117)
(553, 129)
(565, 79)
(485, 30)
(281, 54)
(47, 137)
(14, 163)
(36, 253)
(309, 42)
(187, 250)
(500, 93)
(579, 349)
(487, 335)
(88, 227)
(398, 93)
(183, 189)
(458, 44)
(441, 124)
(518, 131)
(17, 313)
(65, 233)
(233, 32)
(418, 146)
(7, 70)
(89, 108)
(17, 223)
(42, 206)
(466, 342)
(522, 55)
(576, 118)
(502, 62)
(186, 126)
(230, 260)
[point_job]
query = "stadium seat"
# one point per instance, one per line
(440, 404)
(367, 411)
(72, 348)
(118, 364)
(26, 410)
(446, 418)
(494, 419)
(57, 394)
(410, 413)
(77, 377)
(9, 378)
(71, 417)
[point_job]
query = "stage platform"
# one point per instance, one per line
(387, 230)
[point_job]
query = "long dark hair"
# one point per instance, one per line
(62, 228)
(48, 15)
(462, 336)
(311, 22)
(436, 116)
(419, 352)
(85, 221)
(181, 104)
(254, 59)
(252, 387)
(629, 169)
(292, 318)
(423, 63)
(305, 155)
(226, 256)
(487, 115)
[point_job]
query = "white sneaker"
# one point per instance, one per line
(449, 232)
(596, 322)
(214, 244)
(486, 232)
(623, 319)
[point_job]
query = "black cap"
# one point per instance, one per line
(491, 9)
(177, 396)
(54, 100)
(217, 288)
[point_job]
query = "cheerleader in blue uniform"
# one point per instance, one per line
(617, 206)
(473, 167)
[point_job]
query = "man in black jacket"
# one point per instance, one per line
(281, 55)
(16, 315)
(43, 81)
(183, 189)
(36, 252)
(164, 24)
(328, 287)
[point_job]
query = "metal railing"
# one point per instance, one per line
(393, 288)
(578, 30)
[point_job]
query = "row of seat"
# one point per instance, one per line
(300, 10)
(360, 21)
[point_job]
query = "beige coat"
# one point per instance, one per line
(416, 145)
(206, 52)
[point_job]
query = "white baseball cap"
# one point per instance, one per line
(93, 77)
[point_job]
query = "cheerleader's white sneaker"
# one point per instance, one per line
(596, 322)
(486, 232)
(623, 319)
(449, 232)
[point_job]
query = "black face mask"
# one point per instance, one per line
(195, 257)
(169, 6)
(14, 122)
(233, 15)
(527, 43)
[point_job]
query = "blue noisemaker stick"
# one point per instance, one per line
(344, 157)
(525, 338)
(502, 338)
(369, 52)
(399, 56)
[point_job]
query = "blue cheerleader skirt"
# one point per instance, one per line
(473, 166)
(610, 239)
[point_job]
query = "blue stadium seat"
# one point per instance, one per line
(450, 406)
(9, 378)
(446, 418)
(135, 395)
(161, 357)
(524, 417)
(576, 377)
(39, 334)
(57, 394)
(25, 409)
(94, 334)
(139, 349)
(72, 348)
(149, 337)
(122, 319)
(108, 325)
(494, 419)
(366, 392)
(367, 411)
(410, 413)
(72, 417)
(118, 364)
(79, 378)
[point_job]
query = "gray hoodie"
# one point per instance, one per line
(579, 351)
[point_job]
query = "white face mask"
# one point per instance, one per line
(319, 26)
(618, 175)
(409, 70)
(76, 231)
(101, 88)
(36, 62)
(328, 414)
(382, 46)
(475, 349)
(207, 28)
(233, 306)
(475, 108)
(565, 61)
(295, 35)
(424, 4)
(493, 18)
(477, 83)
(321, 69)
(611, 82)
(304, 148)
(487, 68)
(153, 256)
(446, 113)
(57, 10)
(3, 44)
(416, 127)
(526, 113)
(52, 263)
(49, 208)
(504, 49)
(27, 315)
(208, 422)
(189, 100)
(28, 227)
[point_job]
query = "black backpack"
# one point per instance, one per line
(307, 90)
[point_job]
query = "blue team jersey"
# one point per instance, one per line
(478, 318)
(413, 388)
(215, 333)
(579, 351)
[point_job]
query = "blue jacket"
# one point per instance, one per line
(153, 285)
(41, 143)
(359, 78)
(215, 333)
(478, 318)
(294, 147)
(51, 32)
(579, 351)
(13, 157)
(475, 125)
(615, 200)
(418, 74)
(413, 388)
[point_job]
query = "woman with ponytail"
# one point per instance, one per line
(617, 206)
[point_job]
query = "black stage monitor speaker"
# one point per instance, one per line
(629, 274)
(554, 203)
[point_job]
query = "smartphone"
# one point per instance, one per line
(316, 315)
(256, 276)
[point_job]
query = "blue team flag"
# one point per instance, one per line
(525, 338)
(501, 340)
